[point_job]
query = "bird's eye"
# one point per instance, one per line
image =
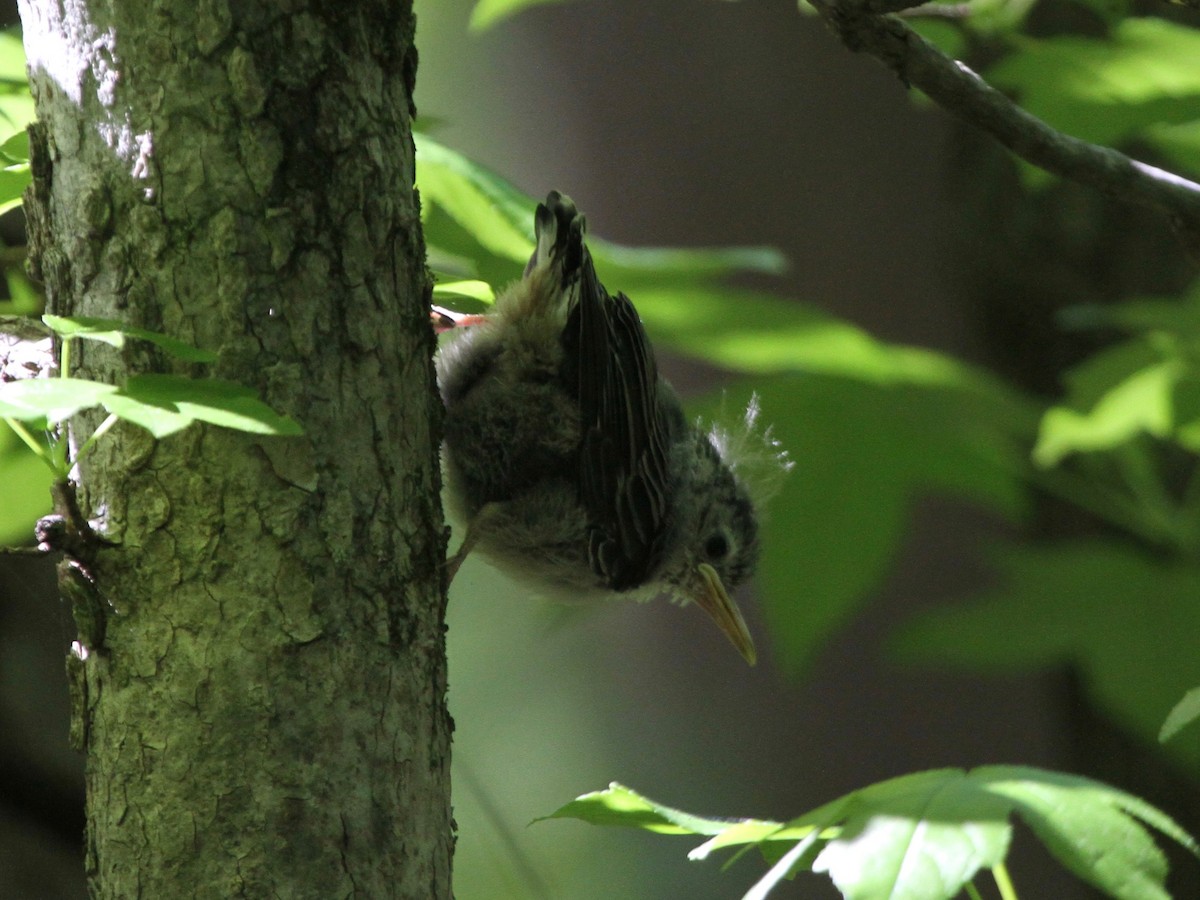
(716, 547)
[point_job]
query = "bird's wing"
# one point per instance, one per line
(623, 464)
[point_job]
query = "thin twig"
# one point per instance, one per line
(961, 92)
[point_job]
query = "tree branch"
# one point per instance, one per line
(961, 92)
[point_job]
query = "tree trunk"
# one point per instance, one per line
(264, 715)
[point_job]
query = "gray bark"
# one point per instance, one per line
(264, 714)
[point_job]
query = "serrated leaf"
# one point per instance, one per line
(114, 332)
(1090, 828)
(924, 836)
(209, 400)
(52, 399)
(1184, 713)
(622, 807)
(488, 12)
(1126, 619)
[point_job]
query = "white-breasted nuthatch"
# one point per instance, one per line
(570, 458)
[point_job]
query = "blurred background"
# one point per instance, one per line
(700, 124)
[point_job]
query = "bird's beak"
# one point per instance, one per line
(710, 595)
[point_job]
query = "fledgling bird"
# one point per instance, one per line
(571, 459)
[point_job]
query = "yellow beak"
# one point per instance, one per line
(710, 596)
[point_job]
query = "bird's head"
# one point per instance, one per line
(718, 541)
(731, 475)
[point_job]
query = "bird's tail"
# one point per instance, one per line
(561, 230)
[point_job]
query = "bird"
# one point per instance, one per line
(571, 459)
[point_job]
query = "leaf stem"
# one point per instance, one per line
(1003, 882)
(64, 357)
(972, 891)
(30, 441)
(100, 431)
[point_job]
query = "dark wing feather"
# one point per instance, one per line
(623, 480)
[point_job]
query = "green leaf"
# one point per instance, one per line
(488, 12)
(494, 213)
(159, 420)
(1112, 397)
(25, 299)
(918, 836)
(1105, 91)
(1178, 142)
(864, 452)
(1125, 618)
(1090, 828)
(1184, 713)
(16, 148)
(26, 480)
(472, 214)
(1179, 316)
(51, 399)
(12, 58)
(202, 399)
(924, 836)
(13, 181)
(471, 289)
(750, 331)
(114, 332)
(620, 806)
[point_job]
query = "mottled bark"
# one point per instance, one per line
(266, 714)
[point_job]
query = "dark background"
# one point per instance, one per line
(697, 123)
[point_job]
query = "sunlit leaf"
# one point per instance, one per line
(52, 399)
(1092, 829)
(26, 487)
(16, 148)
(754, 332)
(1114, 396)
(473, 215)
(12, 57)
(1179, 142)
(924, 836)
(1125, 618)
(1104, 90)
(472, 289)
(919, 836)
(114, 332)
(207, 400)
(488, 12)
(498, 216)
(1184, 713)
(619, 806)
(160, 419)
(13, 181)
